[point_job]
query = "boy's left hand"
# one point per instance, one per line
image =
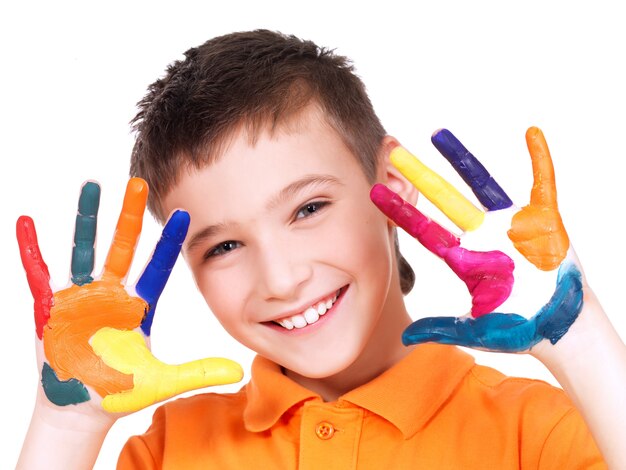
(522, 273)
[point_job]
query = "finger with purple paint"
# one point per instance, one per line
(157, 272)
(475, 175)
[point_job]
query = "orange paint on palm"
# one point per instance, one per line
(127, 231)
(78, 313)
(537, 231)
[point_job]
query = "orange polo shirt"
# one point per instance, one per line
(436, 409)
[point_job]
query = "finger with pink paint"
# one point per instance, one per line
(499, 273)
(488, 292)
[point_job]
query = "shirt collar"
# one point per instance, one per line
(407, 395)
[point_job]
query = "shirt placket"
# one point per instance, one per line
(329, 436)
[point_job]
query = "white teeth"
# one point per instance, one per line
(299, 321)
(309, 316)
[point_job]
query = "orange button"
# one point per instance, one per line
(324, 430)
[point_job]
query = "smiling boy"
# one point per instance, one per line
(272, 147)
(282, 270)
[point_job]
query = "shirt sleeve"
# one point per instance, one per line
(145, 452)
(570, 445)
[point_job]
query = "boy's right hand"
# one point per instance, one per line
(92, 336)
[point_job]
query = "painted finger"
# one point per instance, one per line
(556, 317)
(155, 381)
(488, 275)
(544, 186)
(83, 252)
(157, 272)
(475, 175)
(494, 332)
(508, 332)
(127, 231)
(437, 190)
(37, 272)
(433, 236)
(537, 231)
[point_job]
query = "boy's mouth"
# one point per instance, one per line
(311, 315)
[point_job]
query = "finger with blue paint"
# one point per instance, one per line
(507, 332)
(528, 286)
(157, 272)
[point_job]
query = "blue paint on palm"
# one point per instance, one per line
(486, 189)
(507, 332)
(83, 253)
(157, 272)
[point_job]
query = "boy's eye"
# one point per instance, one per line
(310, 209)
(222, 249)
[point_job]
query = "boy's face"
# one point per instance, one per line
(282, 227)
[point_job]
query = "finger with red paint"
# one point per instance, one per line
(36, 271)
(533, 277)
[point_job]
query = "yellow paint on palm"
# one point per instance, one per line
(437, 190)
(79, 312)
(154, 381)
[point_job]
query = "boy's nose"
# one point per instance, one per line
(283, 272)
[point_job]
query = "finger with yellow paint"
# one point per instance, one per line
(153, 380)
(436, 189)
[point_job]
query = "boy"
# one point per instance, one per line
(272, 147)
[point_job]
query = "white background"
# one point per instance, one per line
(71, 74)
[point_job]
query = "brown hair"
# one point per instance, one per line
(250, 79)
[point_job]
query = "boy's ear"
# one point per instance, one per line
(391, 176)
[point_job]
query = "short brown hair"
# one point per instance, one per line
(252, 79)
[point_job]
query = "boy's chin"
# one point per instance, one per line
(321, 366)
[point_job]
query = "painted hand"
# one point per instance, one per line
(92, 335)
(515, 261)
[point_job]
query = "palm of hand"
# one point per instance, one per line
(78, 313)
(511, 260)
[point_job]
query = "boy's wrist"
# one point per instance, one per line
(586, 344)
(589, 362)
(63, 438)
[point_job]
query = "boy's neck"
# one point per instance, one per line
(383, 350)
